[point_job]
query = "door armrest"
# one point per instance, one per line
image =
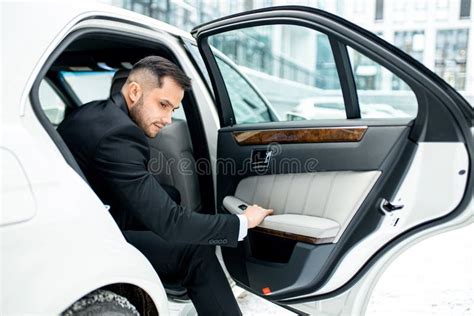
(305, 228)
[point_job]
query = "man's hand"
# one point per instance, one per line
(255, 215)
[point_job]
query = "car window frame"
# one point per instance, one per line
(343, 63)
(226, 114)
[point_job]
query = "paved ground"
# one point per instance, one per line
(435, 277)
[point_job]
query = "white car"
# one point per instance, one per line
(349, 194)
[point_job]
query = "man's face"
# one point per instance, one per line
(154, 108)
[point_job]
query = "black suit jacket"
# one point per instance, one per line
(113, 153)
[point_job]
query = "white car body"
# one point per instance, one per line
(64, 243)
(58, 241)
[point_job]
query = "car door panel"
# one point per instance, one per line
(277, 261)
(310, 179)
(315, 195)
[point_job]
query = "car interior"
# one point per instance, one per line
(95, 54)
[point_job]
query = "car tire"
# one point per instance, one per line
(101, 302)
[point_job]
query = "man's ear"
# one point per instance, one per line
(134, 91)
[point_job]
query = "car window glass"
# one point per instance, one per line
(292, 67)
(52, 105)
(382, 94)
(89, 85)
(248, 106)
(194, 50)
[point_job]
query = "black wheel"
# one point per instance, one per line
(101, 302)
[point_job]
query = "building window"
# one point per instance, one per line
(465, 9)
(451, 56)
(442, 9)
(378, 10)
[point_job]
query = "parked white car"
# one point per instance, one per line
(359, 193)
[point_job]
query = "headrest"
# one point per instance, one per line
(118, 80)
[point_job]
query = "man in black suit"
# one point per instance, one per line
(108, 140)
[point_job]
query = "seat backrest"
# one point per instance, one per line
(171, 155)
(172, 161)
(119, 79)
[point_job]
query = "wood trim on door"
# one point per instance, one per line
(303, 135)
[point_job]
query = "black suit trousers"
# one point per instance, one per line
(196, 267)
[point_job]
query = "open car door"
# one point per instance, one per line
(380, 154)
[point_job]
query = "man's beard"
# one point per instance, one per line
(137, 115)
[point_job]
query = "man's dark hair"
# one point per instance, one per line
(161, 67)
